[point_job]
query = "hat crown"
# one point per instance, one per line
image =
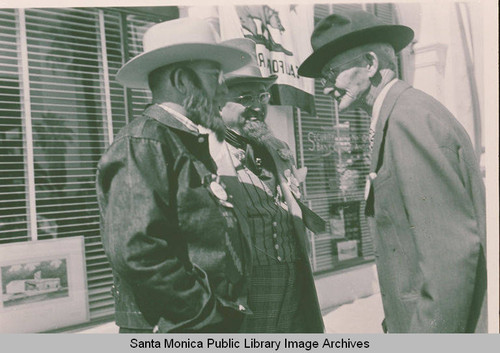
(341, 24)
(251, 69)
(175, 41)
(340, 32)
(179, 31)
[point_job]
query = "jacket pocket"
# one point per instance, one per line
(394, 239)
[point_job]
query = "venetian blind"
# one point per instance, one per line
(13, 179)
(60, 108)
(69, 133)
(117, 54)
(137, 26)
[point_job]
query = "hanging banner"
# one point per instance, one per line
(282, 34)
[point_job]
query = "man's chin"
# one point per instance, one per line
(346, 104)
(252, 125)
(254, 122)
(255, 130)
(206, 115)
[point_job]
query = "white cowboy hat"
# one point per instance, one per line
(179, 40)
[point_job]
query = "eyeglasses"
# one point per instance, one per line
(248, 99)
(330, 74)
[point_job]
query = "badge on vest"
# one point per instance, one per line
(285, 154)
(220, 193)
(218, 190)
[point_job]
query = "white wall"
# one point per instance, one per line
(438, 62)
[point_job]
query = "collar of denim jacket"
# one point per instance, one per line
(168, 116)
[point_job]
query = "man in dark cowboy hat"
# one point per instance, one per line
(425, 193)
(178, 248)
(282, 294)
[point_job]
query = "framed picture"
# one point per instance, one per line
(345, 220)
(43, 285)
(347, 249)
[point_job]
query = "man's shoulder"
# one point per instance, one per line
(418, 113)
(143, 127)
(275, 145)
(138, 131)
(416, 106)
(421, 103)
(141, 131)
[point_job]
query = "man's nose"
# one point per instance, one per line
(221, 94)
(256, 105)
(257, 109)
(222, 89)
(328, 90)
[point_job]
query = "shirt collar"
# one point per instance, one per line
(218, 150)
(178, 112)
(377, 105)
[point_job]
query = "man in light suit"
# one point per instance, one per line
(425, 194)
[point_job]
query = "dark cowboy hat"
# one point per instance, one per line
(340, 32)
(249, 73)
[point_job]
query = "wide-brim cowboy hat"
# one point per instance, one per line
(249, 73)
(338, 33)
(185, 39)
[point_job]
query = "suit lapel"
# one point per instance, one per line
(380, 131)
(387, 107)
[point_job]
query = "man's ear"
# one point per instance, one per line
(179, 80)
(372, 66)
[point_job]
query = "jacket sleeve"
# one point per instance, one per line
(142, 239)
(430, 173)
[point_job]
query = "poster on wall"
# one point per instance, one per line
(347, 250)
(43, 285)
(345, 229)
(345, 221)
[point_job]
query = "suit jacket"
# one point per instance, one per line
(428, 202)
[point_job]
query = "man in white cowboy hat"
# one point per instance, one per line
(425, 194)
(282, 295)
(178, 248)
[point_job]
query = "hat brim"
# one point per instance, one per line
(233, 80)
(396, 35)
(134, 74)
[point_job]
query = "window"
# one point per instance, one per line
(13, 185)
(59, 110)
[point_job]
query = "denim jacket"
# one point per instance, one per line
(180, 256)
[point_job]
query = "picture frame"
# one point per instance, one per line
(347, 250)
(43, 285)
